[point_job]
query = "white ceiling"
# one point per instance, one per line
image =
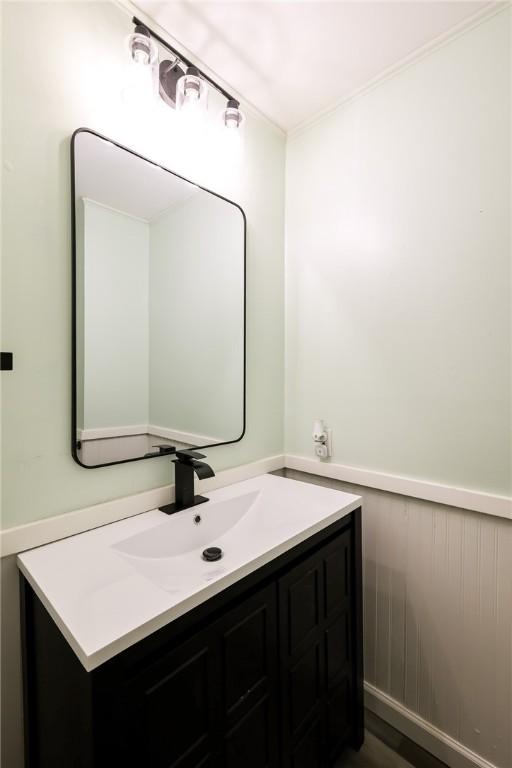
(294, 59)
(119, 179)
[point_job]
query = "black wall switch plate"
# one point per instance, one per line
(5, 361)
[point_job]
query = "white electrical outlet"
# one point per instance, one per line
(321, 450)
(322, 440)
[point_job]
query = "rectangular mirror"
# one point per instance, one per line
(158, 308)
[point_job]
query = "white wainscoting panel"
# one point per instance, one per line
(448, 750)
(438, 616)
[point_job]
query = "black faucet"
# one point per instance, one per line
(185, 464)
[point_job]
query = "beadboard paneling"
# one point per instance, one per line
(438, 615)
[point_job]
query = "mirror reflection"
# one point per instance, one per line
(159, 308)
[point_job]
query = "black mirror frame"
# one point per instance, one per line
(74, 446)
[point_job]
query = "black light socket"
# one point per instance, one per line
(140, 29)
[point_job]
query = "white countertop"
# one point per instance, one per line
(110, 587)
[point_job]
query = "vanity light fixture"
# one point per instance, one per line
(182, 85)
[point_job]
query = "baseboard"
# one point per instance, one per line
(102, 433)
(22, 537)
(463, 498)
(188, 438)
(423, 733)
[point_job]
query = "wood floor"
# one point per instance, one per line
(374, 754)
(385, 747)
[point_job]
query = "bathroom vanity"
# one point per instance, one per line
(138, 652)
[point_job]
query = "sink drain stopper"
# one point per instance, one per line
(212, 553)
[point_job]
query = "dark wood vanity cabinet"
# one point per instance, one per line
(212, 700)
(268, 673)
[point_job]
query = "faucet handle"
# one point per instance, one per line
(163, 449)
(187, 455)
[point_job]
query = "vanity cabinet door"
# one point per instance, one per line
(249, 656)
(212, 700)
(337, 641)
(174, 705)
(315, 655)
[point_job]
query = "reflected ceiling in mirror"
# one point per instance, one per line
(159, 309)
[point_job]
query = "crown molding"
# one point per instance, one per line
(477, 18)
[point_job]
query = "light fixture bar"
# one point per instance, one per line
(183, 59)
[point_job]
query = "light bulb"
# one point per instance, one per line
(229, 134)
(141, 48)
(232, 118)
(140, 56)
(191, 92)
(191, 95)
(139, 85)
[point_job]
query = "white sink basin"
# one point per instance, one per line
(111, 586)
(179, 534)
(170, 554)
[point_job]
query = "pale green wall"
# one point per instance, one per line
(398, 270)
(116, 318)
(398, 261)
(196, 289)
(80, 55)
